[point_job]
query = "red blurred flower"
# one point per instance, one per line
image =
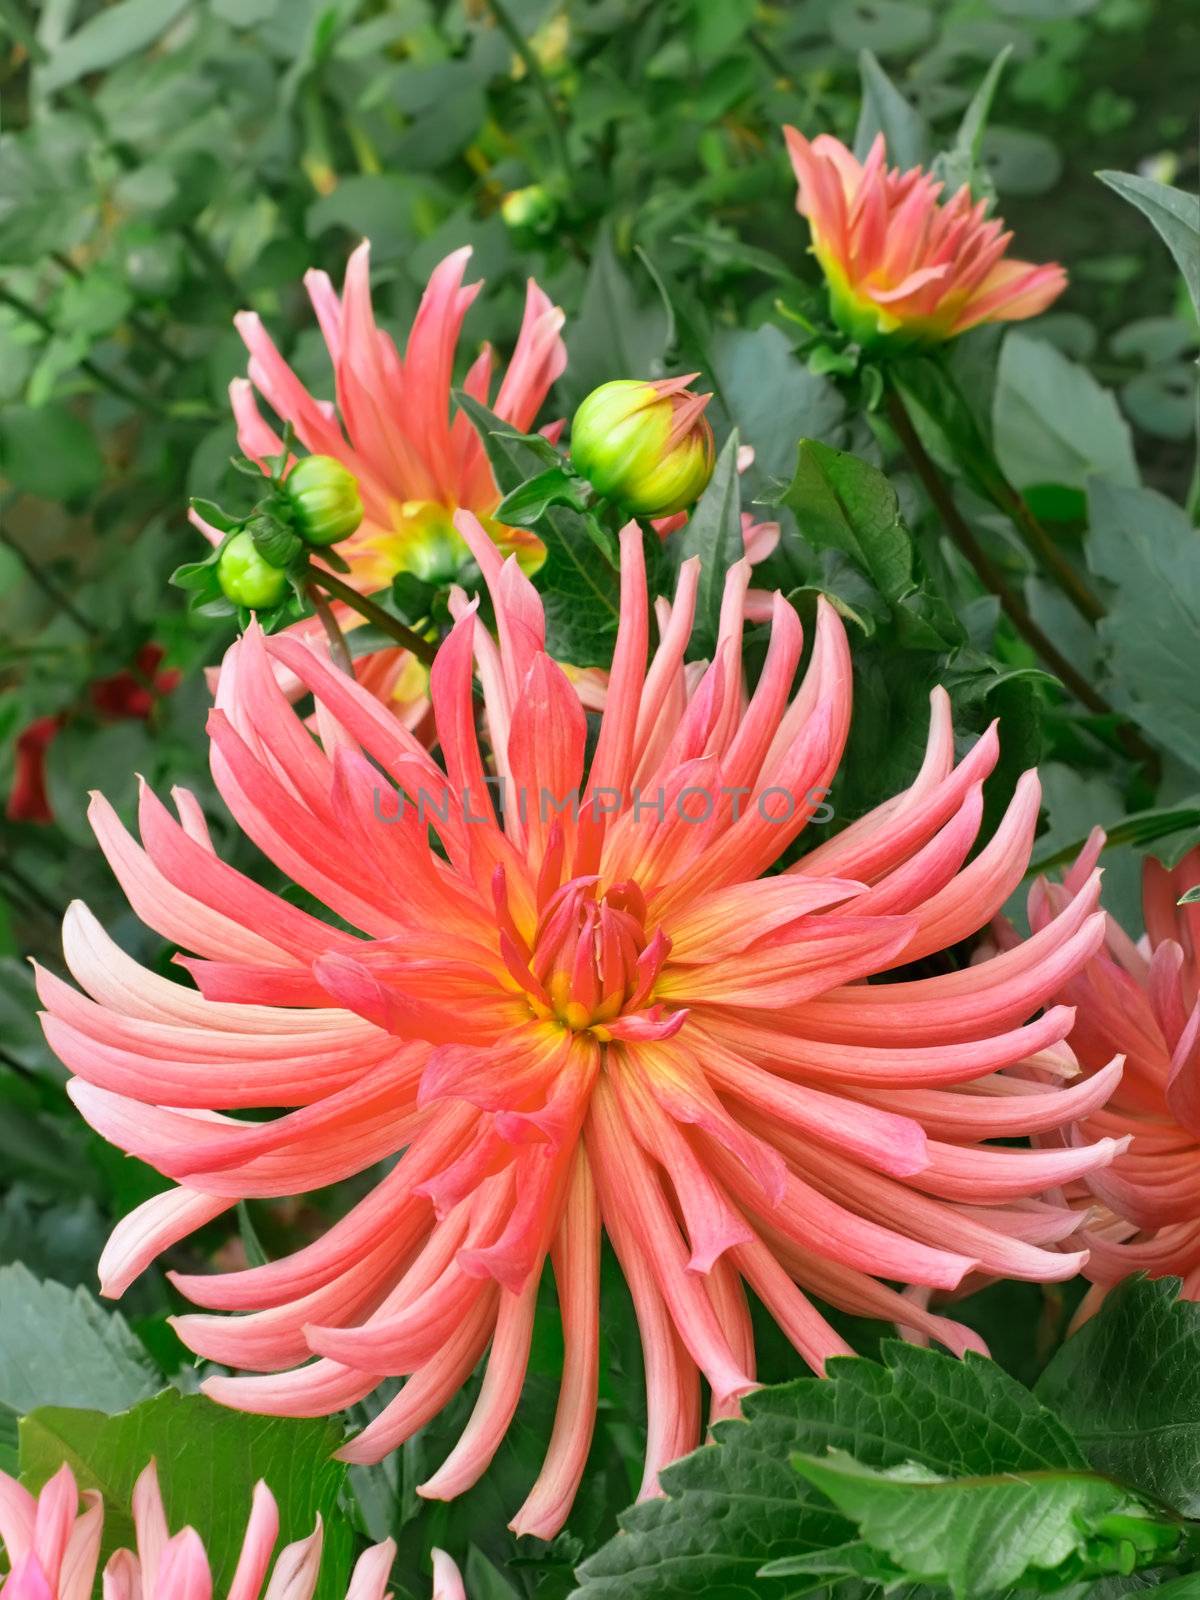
(123, 696)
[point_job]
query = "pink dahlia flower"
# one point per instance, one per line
(585, 1011)
(1142, 1001)
(900, 264)
(53, 1550)
(392, 425)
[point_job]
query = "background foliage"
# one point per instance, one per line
(164, 163)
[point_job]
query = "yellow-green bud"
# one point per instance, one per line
(247, 579)
(532, 207)
(645, 445)
(324, 499)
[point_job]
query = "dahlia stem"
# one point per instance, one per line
(106, 380)
(53, 591)
(337, 639)
(1040, 545)
(538, 79)
(383, 620)
(992, 578)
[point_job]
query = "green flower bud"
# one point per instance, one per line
(324, 499)
(645, 445)
(247, 579)
(531, 207)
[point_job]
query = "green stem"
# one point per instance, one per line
(992, 578)
(145, 330)
(106, 380)
(334, 634)
(48, 585)
(538, 79)
(989, 477)
(1043, 548)
(423, 649)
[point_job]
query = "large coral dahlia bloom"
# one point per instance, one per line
(594, 1015)
(1141, 1000)
(902, 264)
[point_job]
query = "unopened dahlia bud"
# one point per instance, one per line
(646, 445)
(532, 207)
(324, 497)
(246, 578)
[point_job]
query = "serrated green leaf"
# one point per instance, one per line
(209, 1460)
(984, 1533)
(510, 460)
(58, 1346)
(580, 589)
(735, 1506)
(525, 505)
(1175, 216)
(1126, 1386)
(843, 503)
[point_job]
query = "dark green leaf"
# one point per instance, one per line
(523, 506)
(732, 1508)
(1148, 550)
(107, 37)
(1053, 422)
(59, 1347)
(885, 110)
(984, 1533)
(1175, 215)
(48, 451)
(843, 503)
(1125, 1386)
(714, 533)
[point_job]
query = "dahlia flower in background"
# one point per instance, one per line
(587, 1011)
(903, 266)
(1140, 1000)
(392, 425)
(53, 1550)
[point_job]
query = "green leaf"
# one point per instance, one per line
(772, 397)
(961, 164)
(111, 35)
(886, 111)
(983, 1533)
(510, 460)
(48, 451)
(1175, 215)
(734, 1506)
(1146, 547)
(888, 27)
(615, 333)
(580, 589)
(1125, 1384)
(1053, 423)
(59, 1347)
(714, 533)
(525, 505)
(843, 503)
(209, 1460)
